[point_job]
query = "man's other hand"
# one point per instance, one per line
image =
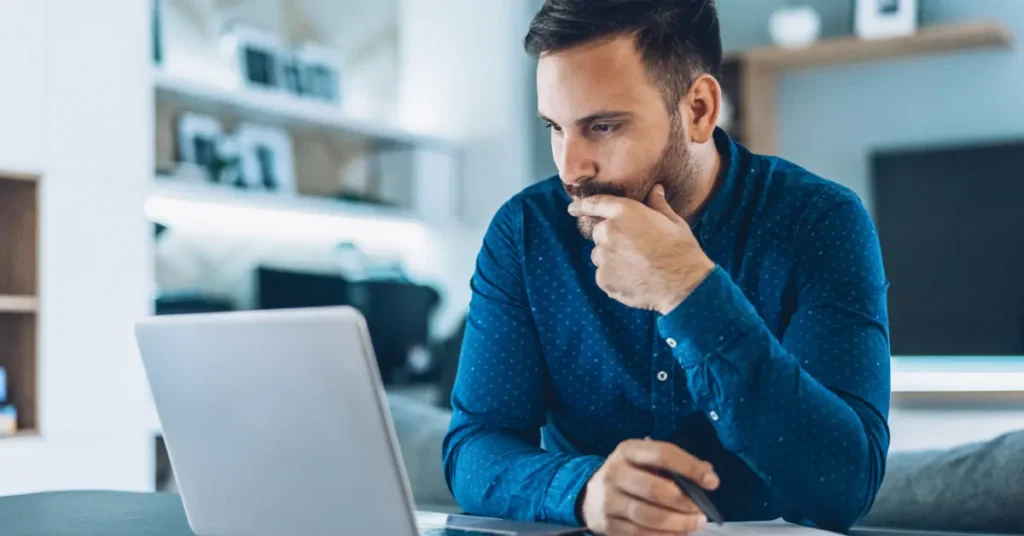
(626, 496)
(646, 255)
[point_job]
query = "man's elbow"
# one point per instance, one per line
(844, 509)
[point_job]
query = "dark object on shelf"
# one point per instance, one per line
(188, 303)
(286, 289)
(397, 314)
(950, 223)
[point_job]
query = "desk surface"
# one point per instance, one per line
(113, 513)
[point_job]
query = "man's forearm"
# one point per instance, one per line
(823, 451)
(495, 472)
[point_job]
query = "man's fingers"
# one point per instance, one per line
(656, 200)
(600, 232)
(653, 488)
(629, 523)
(618, 526)
(600, 206)
(660, 455)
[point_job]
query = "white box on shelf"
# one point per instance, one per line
(878, 19)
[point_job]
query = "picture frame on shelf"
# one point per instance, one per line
(198, 138)
(878, 19)
(256, 54)
(267, 161)
(266, 63)
(320, 78)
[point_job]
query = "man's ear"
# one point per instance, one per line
(702, 105)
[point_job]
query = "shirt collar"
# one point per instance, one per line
(724, 192)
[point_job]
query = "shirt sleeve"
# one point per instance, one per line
(493, 462)
(807, 411)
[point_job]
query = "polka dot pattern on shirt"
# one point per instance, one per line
(777, 373)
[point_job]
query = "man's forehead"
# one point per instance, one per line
(591, 77)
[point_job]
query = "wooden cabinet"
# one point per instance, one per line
(18, 293)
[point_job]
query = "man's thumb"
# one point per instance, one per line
(656, 200)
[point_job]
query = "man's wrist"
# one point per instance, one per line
(581, 518)
(689, 282)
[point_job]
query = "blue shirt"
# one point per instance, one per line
(775, 369)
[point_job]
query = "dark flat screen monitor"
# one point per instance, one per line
(951, 224)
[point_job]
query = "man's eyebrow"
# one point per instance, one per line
(602, 116)
(596, 116)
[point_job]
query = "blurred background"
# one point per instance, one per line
(175, 156)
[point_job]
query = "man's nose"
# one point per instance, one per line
(576, 162)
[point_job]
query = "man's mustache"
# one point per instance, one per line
(590, 188)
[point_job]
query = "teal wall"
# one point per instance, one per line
(829, 120)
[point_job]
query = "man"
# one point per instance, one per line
(669, 302)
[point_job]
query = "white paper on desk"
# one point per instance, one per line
(434, 524)
(761, 528)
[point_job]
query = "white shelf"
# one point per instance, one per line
(944, 374)
(279, 109)
(297, 204)
(18, 304)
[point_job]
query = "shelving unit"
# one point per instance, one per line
(277, 109)
(18, 293)
(399, 174)
(749, 77)
(18, 304)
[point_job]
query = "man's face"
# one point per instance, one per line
(610, 130)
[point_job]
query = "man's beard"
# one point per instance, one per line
(674, 170)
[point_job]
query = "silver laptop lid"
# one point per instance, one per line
(276, 423)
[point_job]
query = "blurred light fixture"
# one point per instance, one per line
(950, 374)
(294, 223)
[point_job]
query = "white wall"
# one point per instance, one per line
(94, 112)
(21, 93)
(464, 75)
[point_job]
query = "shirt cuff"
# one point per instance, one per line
(566, 487)
(714, 314)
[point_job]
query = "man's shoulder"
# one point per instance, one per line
(795, 187)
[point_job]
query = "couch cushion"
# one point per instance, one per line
(973, 488)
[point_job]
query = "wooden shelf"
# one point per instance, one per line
(18, 304)
(756, 69)
(929, 40)
(19, 241)
(277, 109)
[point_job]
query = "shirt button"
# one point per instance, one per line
(662, 376)
(714, 416)
(671, 342)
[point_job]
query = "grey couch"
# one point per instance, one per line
(973, 488)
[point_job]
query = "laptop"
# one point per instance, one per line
(276, 422)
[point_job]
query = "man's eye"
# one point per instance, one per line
(602, 128)
(554, 127)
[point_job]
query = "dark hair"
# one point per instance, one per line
(678, 40)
